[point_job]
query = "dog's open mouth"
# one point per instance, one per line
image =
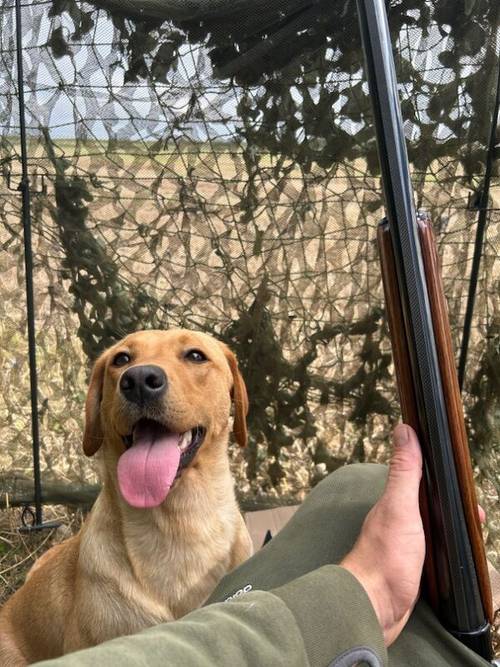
(189, 442)
(153, 460)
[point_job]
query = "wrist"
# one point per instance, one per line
(378, 594)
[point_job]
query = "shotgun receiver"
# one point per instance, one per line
(456, 577)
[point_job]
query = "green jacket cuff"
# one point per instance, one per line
(335, 617)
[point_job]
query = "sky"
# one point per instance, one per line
(84, 93)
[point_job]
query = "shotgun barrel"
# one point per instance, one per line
(456, 576)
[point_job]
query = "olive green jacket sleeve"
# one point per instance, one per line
(322, 619)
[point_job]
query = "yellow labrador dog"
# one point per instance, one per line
(166, 526)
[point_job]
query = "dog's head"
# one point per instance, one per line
(160, 401)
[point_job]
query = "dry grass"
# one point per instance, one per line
(19, 550)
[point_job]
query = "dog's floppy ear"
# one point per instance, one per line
(240, 399)
(92, 434)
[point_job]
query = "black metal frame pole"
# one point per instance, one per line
(24, 188)
(479, 242)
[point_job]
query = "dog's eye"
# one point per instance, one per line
(195, 355)
(121, 359)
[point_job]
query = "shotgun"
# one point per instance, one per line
(456, 580)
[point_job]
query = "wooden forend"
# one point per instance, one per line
(452, 398)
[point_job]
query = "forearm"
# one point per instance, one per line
(309, 622)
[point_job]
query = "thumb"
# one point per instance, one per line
(405, 468)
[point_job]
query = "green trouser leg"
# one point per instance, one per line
(323, 531)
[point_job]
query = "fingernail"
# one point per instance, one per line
(401, 435)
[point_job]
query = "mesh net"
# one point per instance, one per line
(221, 174)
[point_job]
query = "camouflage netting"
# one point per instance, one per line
(217, 170)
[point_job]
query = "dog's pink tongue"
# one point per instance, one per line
(147, 470)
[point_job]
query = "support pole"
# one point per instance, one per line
(478, 245)
(24, 187)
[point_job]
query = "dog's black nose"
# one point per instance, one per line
(143, 384)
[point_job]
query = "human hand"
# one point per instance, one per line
(388, 556)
